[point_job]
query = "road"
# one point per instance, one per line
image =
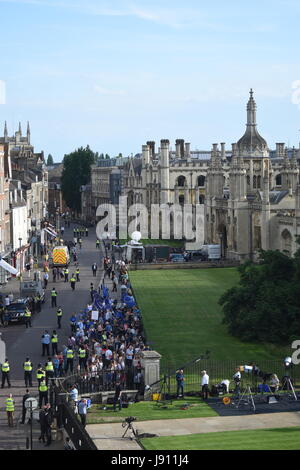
(22, 342)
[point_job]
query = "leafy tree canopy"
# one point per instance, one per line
(265, 306)
(76, 172)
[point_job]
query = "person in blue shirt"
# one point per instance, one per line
(55, 361)
(180, 382)
(73, 320)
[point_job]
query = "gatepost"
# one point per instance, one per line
(151, 365)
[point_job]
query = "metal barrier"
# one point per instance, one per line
(219, 370)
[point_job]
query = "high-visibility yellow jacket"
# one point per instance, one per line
(10, 406)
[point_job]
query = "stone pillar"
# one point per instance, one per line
(151, 365)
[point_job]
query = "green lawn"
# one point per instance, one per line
(260, 439)
(182, 317)
(149, 410)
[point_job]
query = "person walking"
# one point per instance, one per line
(97, 243)
(59, 313)
(54, 274)
(86, 232)
(82, 411)
(43, 393)
(53, 297)
(48, 423)
(10, 409)
(24, 409)
(77, 272)
(46, 339)
(73, 282)
(27, 317)
(42, 420)
(66, 274)
(204, 384)
(5, 368)
(27, 366)
(54, 343)
(94, 269)
(46, 279)
(80, 243)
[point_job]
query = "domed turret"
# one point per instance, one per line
(252, 141)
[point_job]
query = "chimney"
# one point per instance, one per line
(151, 144)
(223, 153)
(279, 149)
(188, 150)
(179, 148)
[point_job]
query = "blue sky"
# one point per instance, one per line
(116, 74)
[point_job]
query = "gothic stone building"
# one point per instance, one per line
(251, 194)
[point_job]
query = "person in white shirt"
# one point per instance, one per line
(204, 384)
(237, 379)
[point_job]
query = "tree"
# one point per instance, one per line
(265, 306)
(76, 173)
(50, 160)
(107, 156)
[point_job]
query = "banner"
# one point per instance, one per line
(8, 267)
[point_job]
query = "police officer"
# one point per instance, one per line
(54, 343)
(27, 366)
(73, 282)
(59, 313)
(27, 316)
(70, 360)
(5, 373)
(10, 408)
(40, 374)
(25, 397)
(66, 274)
(49, 368)
(53, 297)
(43, 393)
(82, 358)
(97, 243)
(38, 302)
(77, 272)
(46, 339)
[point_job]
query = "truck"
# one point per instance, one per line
(211, 252)
(60, 256)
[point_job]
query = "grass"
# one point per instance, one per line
(183, 319)
(149, 410)
(259, 439)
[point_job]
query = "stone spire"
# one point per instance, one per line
(5, 132)
(28, 132)
(20, 130)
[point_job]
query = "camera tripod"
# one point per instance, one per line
(164, 390)
(248, 398)
(129, 428)
(289, 387)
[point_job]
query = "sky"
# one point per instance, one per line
(114, 75)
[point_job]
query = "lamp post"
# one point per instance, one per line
(21, 260)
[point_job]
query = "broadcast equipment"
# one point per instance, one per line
(247, 398)
(128, 424)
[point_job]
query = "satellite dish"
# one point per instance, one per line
(136, 236)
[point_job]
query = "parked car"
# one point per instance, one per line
(15, 312)
(177, 258)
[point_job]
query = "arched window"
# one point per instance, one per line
(254, 181)
(259, 182)
(278, 180)
(181, 181)
(201, 180)
(286, 242)
(248, 180)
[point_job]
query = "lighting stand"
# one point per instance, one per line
(248, 398)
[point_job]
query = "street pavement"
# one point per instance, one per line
(22, 342)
